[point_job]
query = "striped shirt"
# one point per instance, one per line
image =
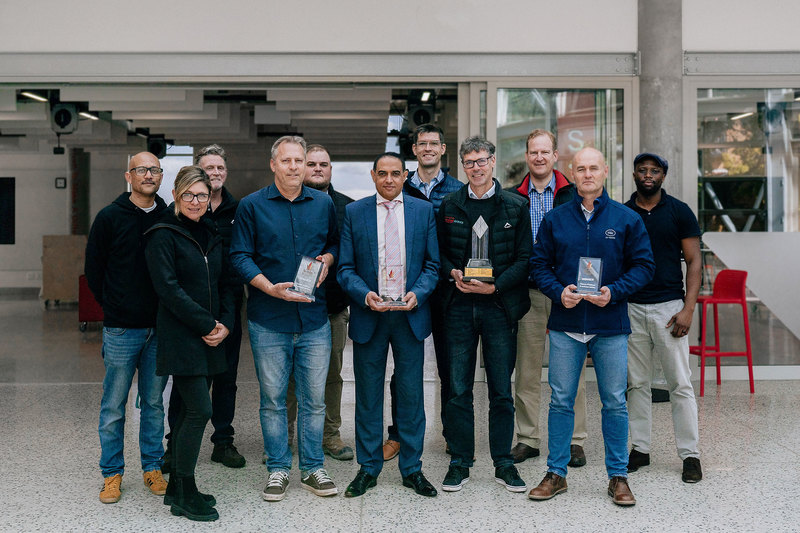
(540, 203)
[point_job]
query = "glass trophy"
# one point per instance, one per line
(589, 271)
(479, 266)
(305, 281)
(392, 285)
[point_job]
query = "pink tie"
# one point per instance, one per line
(391, 235)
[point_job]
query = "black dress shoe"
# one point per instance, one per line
(360, 484)
(420, 485)
(576, 456)
(521, 451)
(637, 459)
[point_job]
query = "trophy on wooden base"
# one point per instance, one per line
(479, 267)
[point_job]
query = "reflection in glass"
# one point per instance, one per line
(578, 117)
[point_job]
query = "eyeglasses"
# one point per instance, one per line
(189, 197)
(428, 144)
(142, 171)
(482, 162)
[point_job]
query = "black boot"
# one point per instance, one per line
(188, 502)
(166, 459)
(169, 496)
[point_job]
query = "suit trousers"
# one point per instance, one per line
(369, 367)
(531, 339)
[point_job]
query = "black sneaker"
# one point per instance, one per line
(457, 477)
(320, 483)
(637, 459)
(276, 486)
(692, 473)
(509, 478)
(228, 455)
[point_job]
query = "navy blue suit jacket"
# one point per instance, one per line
(358, 263)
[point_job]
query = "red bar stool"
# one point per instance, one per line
(729, 288)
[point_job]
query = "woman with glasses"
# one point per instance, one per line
(195, 314)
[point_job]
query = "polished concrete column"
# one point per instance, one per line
(660, 85)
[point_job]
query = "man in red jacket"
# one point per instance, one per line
(545, 188)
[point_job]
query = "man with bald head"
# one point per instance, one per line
(117, 275)
(591, 229)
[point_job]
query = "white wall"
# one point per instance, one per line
(41, 209)
(740, 25)
(318, 26)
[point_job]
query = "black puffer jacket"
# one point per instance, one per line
(193, 293)
(510, 244)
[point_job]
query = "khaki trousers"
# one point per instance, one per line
(531, 339)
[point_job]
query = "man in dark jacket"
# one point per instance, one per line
(482, 220)
(116, 271)
(612, 240)
(429, 182)
(543, 186)
(222, 209)
(318, 176)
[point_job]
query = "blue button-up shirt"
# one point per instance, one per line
(270, 236)
(426, 188)
(540, 203)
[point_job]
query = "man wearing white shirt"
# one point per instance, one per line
(389, 268)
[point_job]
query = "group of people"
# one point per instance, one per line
(426, 254)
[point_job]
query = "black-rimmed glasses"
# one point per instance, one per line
(189, 197)
(142, 171)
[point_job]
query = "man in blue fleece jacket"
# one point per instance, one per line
(590, 226)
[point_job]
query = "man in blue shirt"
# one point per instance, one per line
(590, 226)
(273, 230)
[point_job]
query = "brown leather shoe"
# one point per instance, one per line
(551, 485)
(620, 492)
(521, 451)
(390, 449)
(576, 456)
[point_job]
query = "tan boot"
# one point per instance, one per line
(551, 485)
(154, 481)
(620, 492)
(111, 492)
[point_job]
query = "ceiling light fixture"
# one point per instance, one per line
(34, 96)
(84, 114)
(737, 117)
(426, 95)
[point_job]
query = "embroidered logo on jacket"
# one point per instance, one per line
(452, 220)
(611, 234)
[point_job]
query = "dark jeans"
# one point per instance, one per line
(467, 320)
(188, 431)
(442, 366)
(223, 388)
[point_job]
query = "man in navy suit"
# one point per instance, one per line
(389, 262)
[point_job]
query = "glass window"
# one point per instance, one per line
(578, 117)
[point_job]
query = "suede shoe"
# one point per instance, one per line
(111, 492)
(620, 492)
(319, 483)
(576, 456)
(228, 455)
(390, 449)
(154, 481)
(692, 473)
(551, 485)
(360, 484)
(420, 484)
(508, 476)
(637, 459)
(338, 450)
(457, 476)
(276, 486)
(189, 503)
(521, 452)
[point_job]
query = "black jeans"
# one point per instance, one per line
(223, 389)
(468, 319)
(187, 433)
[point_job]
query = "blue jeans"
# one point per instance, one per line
(125, 351)
(610, 357)
(276, 356)
(468, 319)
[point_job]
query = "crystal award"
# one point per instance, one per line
(589, 271)
(392, 285)
(479, 266)
(305, 281)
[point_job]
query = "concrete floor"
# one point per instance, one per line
(50, 388)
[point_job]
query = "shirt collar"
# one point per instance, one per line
(380, 199)
(550, 184)
(273, 193)
(488, 193)
(417, 182)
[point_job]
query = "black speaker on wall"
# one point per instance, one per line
(157, 145)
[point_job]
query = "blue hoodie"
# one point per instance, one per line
(615, 234)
